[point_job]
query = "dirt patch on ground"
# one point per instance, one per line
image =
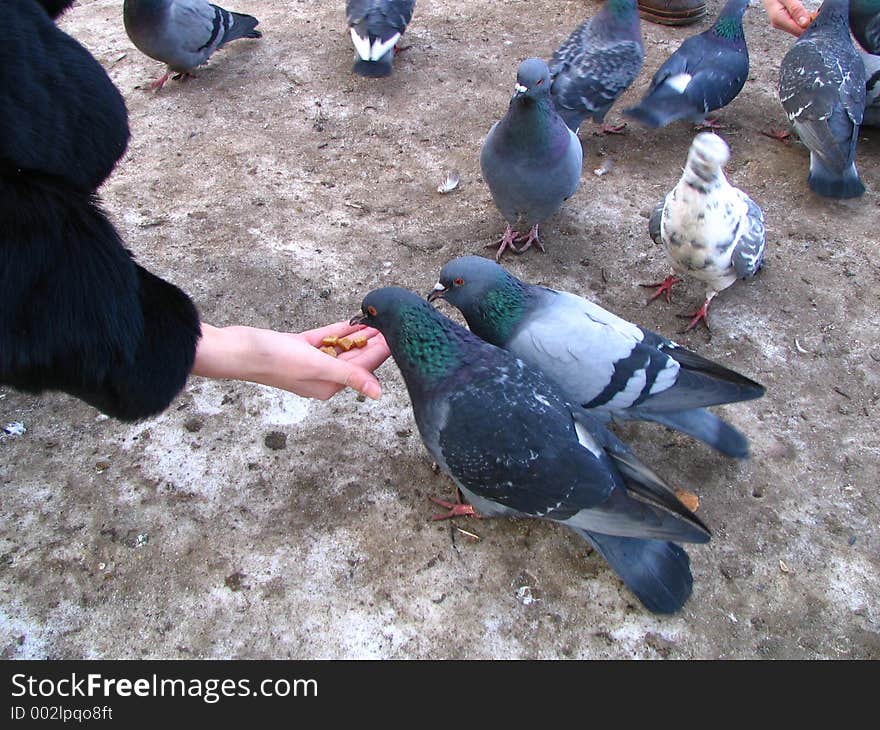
(277, 189)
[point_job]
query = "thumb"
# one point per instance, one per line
(356, 377)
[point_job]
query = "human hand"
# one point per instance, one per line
(327, 375)
(787, 15)
(291, 361)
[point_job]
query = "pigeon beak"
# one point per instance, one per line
(357, 319)
(520, 89)
(437, 292)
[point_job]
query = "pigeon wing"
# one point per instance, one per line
(748, 255)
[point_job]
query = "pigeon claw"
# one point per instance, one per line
(663, 288)
(778, 135)
(710, 123)
(529, 238)
(611, 129)
(701, 315)
(511, 238)
(506, 241)
(160, 82)
(455, 510)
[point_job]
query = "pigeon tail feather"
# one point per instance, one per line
(657, 572)
(243, 26)
(829, 184)
(373, 69)
(661, 108)
(706, 427)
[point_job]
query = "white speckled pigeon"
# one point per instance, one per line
(712, 231)
(530, 159)
(872, 90)
(183, 33)
(864, 22)
(376, 27)
(597, 64)
(822, 88)
(516, 447)
(606, 364)
(706, 73)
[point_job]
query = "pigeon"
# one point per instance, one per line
(183, 33)
(597, 63)
(872, 90)
(609, 366)
(864, 22)
(515, 446)
(530, 159)
(706, 73)
(376, 26)
(710, 229)
(822, 88)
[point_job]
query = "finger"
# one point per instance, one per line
(319, 389)
(783, 22)
(371, 356)
(798, 12)
(354, 376)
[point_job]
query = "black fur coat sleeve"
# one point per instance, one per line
(76, 312)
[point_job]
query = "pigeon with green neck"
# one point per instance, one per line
(610, 366)
(706, 73)
(530, 159)
(516, 447)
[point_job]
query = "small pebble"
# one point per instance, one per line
(194, 424)
(276, 440)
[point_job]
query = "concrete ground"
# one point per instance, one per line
(277, 189)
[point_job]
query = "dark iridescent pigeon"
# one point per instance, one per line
(516, 447)
(705, 73)
(183, 33)
(864, 22)
(822, 88)
(711, 230)
(376, 27)
(604, 363)
(597, 64)
(530, 159)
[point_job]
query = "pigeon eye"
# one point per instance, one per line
(540, 81)
(371, 310)
(458, 282)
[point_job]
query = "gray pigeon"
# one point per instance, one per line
(602, 362)
(872, 90)
(515, 447)
(597, 64)
(822, 88)
(864, 22)
(530, 159)
(183, 33)
(711, 230)
(706, 73)
(376, 27)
